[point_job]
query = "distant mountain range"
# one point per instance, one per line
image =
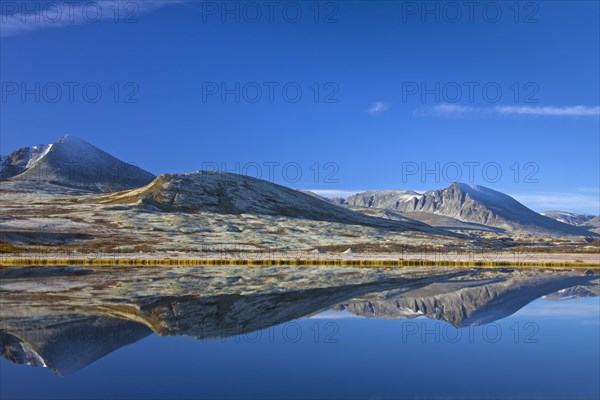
(467, 203)
(567, 217)
(71, 163)
(594, 222)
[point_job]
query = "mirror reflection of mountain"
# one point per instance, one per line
(66, 318)
(488, 297)
(588, 290)
(66, 343)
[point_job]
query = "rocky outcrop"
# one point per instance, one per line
(383, 199)
(20, 160)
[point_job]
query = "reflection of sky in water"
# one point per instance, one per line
(583, 310)
(549, 349)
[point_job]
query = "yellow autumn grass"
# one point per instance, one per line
(137, 262)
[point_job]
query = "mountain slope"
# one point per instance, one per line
(435, 220)
(227, 193)
(593, 225)
(20, 160)
(471, 203)
(73, 163)
(568, 217)
(384, 199)
(594, 222)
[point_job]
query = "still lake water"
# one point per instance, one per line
(549, 349)
(439, 334)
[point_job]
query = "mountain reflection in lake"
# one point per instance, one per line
(298, 332)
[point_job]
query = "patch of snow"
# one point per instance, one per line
(37, 152)
(410, 196)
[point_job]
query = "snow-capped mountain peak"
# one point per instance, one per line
(74, 163)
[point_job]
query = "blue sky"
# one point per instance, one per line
(389, 91)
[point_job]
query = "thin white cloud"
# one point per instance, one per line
(450, 110)
(331, 193)
(589, 189)
(577, 111)
(560, 201)
(334, 315)
(378, 107)
(21, 17)
(581, 308)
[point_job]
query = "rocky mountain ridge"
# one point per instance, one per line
(469, 203)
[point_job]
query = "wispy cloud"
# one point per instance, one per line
(453, 110)
(560, 201)
(331, 193)
(578, 111)
(334, 315)
(19, 18)
(589, 189)
(577, 309)
(378, 107)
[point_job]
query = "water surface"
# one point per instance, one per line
(289, 334)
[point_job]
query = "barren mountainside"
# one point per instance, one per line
(20, 160)
(73, 167)
(469, 203)
(227, 193)
(73, 163)
(594, 222)
(567, 217)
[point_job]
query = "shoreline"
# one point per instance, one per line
(584, 261)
